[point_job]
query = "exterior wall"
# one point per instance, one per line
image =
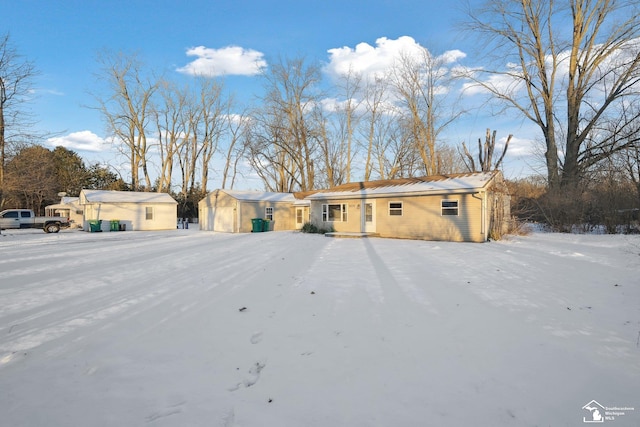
(133, 215)
(222, 212)
(283, 215)
(421, 218)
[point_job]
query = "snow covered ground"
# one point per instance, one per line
(191, 328)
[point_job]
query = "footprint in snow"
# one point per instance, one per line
(253, 375)
(256, 337)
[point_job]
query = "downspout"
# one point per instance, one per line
(483, 217)
(238, 219)
(362, 216)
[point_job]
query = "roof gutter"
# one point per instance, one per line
(372, 195)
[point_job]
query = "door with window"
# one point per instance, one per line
(300, 220)
(369, 216)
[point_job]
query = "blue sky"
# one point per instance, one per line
(63, 39)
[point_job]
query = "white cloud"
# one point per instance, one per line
(499, 83)
(376, 61)
(452, 56)
(84, 141)
(230, 60)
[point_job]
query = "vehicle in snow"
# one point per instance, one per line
(26, 218)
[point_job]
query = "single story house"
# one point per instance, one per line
(133, 209)
(454, 207)
(69, 207)
(232, 211)
(469, 207)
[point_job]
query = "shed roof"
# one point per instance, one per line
(107, 196)
(260, 196)
(450, 183)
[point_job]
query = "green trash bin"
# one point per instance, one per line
(115, 225)
(95, 225)
(266, 225)
(257, 225)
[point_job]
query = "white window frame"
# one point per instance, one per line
(450, 209)
(268, 213)
(396, 211)
(326, 210)
(148, 213)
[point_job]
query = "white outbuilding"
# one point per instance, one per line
(130, 210)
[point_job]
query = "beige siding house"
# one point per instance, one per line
(456, 207)
(232, 211)
(134, 210)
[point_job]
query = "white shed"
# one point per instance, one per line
(133, 209)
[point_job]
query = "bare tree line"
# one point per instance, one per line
(179, 129)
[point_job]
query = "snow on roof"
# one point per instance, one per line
(260, 196)
(411, 186)
(106, 196)
(65, 203)
(66, 200)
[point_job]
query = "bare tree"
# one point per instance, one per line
(422, 81)
(238, 128)
(349, 87)
(168, 113)
(284, 137)
(16, 78)
(627, 161)
(204, 122)
(267, 151)
(487, 161)
(386, 148)
(565, 73)
(334, 151)
(215, 122)
(127, 110)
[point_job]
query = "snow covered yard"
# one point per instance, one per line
(190, 328)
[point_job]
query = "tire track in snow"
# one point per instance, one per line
(72, 307)
(46, 312)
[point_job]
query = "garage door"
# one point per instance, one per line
(221, 219)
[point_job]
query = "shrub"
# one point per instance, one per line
(309, 227)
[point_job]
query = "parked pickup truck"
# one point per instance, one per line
(25, 218)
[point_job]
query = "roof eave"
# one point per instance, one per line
(361, 195)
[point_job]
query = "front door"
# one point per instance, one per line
(369, 216)
(300, 220)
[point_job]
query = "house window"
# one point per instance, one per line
(268, 214)
(149, 213)
(450, 207)
(337, 212)
(395, 208)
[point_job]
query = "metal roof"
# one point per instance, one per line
(452, 183)
(260, 196)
